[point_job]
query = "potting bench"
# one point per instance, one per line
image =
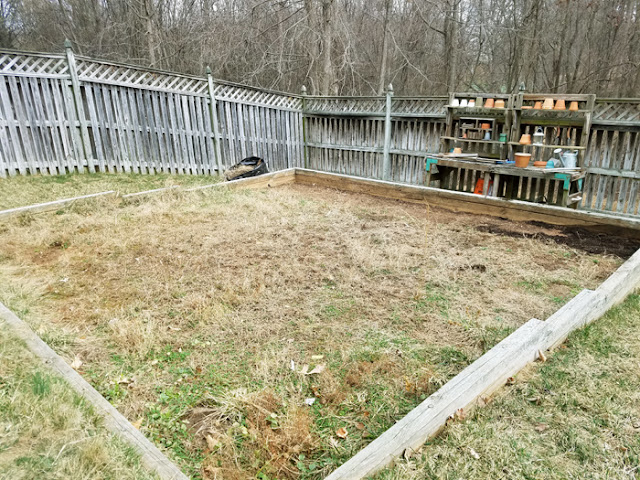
(552, 186)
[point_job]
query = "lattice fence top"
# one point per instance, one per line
(401, 106)
(130, 76)
(138, 77)
(242, 94)
(33, 65)
(345, 105)
(425, 106)
(617, 112)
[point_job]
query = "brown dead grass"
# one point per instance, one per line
(237, 284)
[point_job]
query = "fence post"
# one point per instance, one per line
(85, 144)
(213, 112)
(386, 159)
(303, 92)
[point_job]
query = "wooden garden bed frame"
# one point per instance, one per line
(480, 379)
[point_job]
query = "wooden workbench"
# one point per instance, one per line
(561, 187)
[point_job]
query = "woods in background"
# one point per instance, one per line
(353, 47)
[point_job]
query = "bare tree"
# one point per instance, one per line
(353, 46)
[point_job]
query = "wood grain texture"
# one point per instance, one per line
(54, 205)
(471, 203)
(114, 421)
(489, 372)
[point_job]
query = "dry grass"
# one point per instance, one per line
(577, 416)
(21, 191)
(202, 302)
(47, 431)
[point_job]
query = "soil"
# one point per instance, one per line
(198, 311)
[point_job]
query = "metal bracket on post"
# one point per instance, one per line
(79, 107)
(303, 92)
(386, 159)
(213, 112)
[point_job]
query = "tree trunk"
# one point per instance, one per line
(150, 31)
(385, 47)
(451, 44)
(327, 75)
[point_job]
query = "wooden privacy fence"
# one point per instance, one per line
(346, 135)
(61, 113)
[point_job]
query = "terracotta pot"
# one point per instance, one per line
(457, 150)
(538, 105)
(522, 159)
(499, 103)
(525, 139)
(485, 126)
(560, 105)
(490, 103)
(527, 107)
(548, 104)
(573, 106)
(540, 164)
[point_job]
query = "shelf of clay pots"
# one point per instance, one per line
(553, 116)
(564, 147)
(478, 111)
(458, 139)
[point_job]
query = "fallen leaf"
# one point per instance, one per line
(460, 413)
(511, 381)
(483, 401)
(541, 427)
(316, 391)
(535, 400)
(198, 370)
(474, 454)
(342, 433)
(542, 356)
(138, 423)
(317, 369)
(366, 414)
(77, 363)
(360, 426)
(212, 443)
(408, 385)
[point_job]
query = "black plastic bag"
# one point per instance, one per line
(249, 167)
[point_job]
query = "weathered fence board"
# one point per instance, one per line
(124, 118)
(61, 113)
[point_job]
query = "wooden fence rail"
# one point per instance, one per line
(345, 135)
(61, 113)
